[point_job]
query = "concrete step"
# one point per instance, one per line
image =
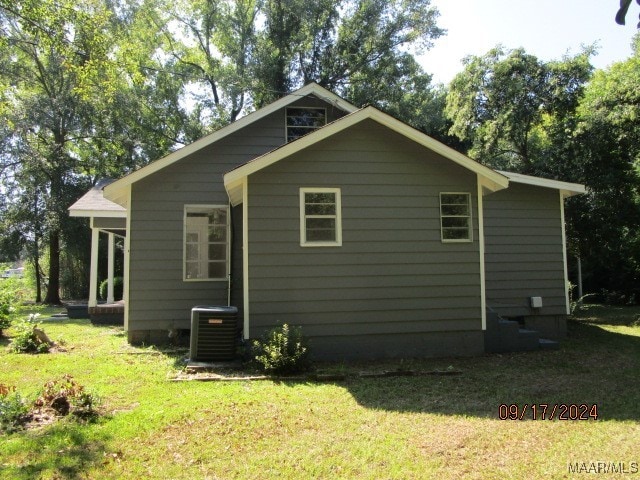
(526, 341)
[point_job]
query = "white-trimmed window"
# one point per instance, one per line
(303, 120)
(206, 242)
(320, 217)
(455, 217)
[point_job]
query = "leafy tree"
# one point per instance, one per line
(210, 48)
(346, 46)
(504, 101)
(63, 86)
(608, 139)
(98, 88)
(243, 54)
(57, 51)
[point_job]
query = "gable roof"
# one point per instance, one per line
(567, 189)
(234, 179)
(93, 204)
(117, 191)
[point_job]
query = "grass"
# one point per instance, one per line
(368, 428)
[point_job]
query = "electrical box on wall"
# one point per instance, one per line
(536, 302)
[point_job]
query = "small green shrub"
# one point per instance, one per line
(117, 288)
(29, 337)
(14, 412)
(8, 303)
(282, 350)
(67, 397)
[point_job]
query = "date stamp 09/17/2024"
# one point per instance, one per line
(567, 411)
(548, 411)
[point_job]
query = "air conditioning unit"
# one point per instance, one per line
(214, 333)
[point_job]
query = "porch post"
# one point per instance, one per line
(110, 297)
(93, 276)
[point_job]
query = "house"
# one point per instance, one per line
(376, 239)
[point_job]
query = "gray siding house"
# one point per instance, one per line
(375, 238)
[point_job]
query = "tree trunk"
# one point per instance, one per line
(53, 288)
(38, 281)
(36, 248)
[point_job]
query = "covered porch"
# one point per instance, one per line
(107, 221)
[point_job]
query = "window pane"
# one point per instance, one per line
(217, 269)
(297, 132)
(301, 121)
(305, 117)
(455, 210)
(455, 199)
(322, 223)
(320, 197)
(192, 252)
(320, 203)
(196, 214)
(217, 251)
(455, 233)
(218, 217)
(460, 222)
(320, 209)
(217, 233)
(319, 235)
(326, 197)
(192, 270)
(321, 229)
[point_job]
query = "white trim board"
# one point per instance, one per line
(481, 247)
(493, 181)
(97, 213)
(567, 189)
(564, 255)
(245, 257)
(116, 191)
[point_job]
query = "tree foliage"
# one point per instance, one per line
(55, 58)
(559, 120)
(98, 88)
(239, 56)
(506, 102)
(608, 146)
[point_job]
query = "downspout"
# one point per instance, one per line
(231, 250)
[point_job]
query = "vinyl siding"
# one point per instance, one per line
(159, 298)
(524, 251)
(393, 274)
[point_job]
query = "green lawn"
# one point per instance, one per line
(398, 427)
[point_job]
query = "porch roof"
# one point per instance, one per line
(566, 188)
(93, 204)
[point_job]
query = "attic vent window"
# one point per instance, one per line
(301, 121)
(455, 217)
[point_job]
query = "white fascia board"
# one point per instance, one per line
(492, 180)
(567, 189)
(98, 213)
(117, 192)
(235, 191)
